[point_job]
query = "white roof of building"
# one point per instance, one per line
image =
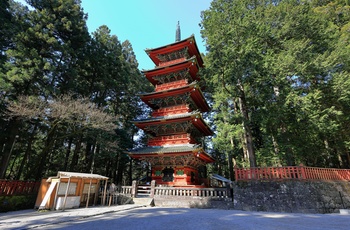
(62, 174)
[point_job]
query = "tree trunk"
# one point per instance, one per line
(130, 171)
(66, 159)
(75, 158)
(276, 150)
(8, 146)
(43, 156)
(96, 149)
(230, 158)
(248, 137)
(120, 170)
(27, 152)
(115, 168)
(89, 151)
(242, 139)
(108, 167)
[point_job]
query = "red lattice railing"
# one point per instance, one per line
(291, 172)
(11, 188)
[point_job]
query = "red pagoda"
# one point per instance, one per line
(176, 126)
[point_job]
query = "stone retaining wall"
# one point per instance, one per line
(193, 202)
(292, 196)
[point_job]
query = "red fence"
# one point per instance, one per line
(12, 188)
(291, 172)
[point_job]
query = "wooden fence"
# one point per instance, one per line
(292, 173)
(156, 191)
(15, 188)
(191, 192)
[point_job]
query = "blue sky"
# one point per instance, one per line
(147, 23)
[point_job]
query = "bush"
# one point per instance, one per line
(14, 203)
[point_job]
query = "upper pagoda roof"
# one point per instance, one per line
(189, 42)
(191, 64)
(193, 88)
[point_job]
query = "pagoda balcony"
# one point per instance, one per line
(172, 85)
(167, 111)
(171, 140)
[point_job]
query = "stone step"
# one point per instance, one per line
(145, 201)
(344, 211)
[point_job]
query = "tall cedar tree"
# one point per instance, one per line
(276, 71)
(51, 57)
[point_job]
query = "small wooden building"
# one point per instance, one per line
(71, 190)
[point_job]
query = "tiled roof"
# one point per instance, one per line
(192, 44)
(191, 59)
(176, 116)
(165, 149)
(62, 174)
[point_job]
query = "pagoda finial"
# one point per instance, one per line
(178, 32)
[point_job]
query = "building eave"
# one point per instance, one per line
(175, 150)
(191, 64)
(190, 42)
(192, 88)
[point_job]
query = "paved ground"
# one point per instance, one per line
(138, 217)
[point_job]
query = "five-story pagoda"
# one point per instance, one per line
(176, 125)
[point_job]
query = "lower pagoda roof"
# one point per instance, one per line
(167, 149)
(194, 117)
(171, 150)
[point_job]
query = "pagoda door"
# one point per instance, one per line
(168, 174)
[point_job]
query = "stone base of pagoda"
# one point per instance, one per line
(176, 176)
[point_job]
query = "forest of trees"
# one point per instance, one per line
(276, 72)
(278, 76)
(67, 96)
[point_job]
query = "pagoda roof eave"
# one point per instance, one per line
(154, 151)
(152, 94)
(167, 68)
(166, 149)
(196, 117)
(190, 63)
(170, 117)
(175, 46)
(196, 95)
(149, 50)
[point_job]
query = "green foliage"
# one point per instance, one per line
(14, 203)
(67, 96)
(286, 62)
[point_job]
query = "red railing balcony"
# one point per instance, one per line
(167, 111)
(292, 173)
(12, 188)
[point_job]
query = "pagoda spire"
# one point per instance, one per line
(178, 32)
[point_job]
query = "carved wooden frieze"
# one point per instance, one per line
(183, 99)
(174, 76)
(174, 55)
(168, 129)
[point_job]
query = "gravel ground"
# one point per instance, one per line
(137, 217)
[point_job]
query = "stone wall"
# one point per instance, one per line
(292, 196)
(193, 202)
